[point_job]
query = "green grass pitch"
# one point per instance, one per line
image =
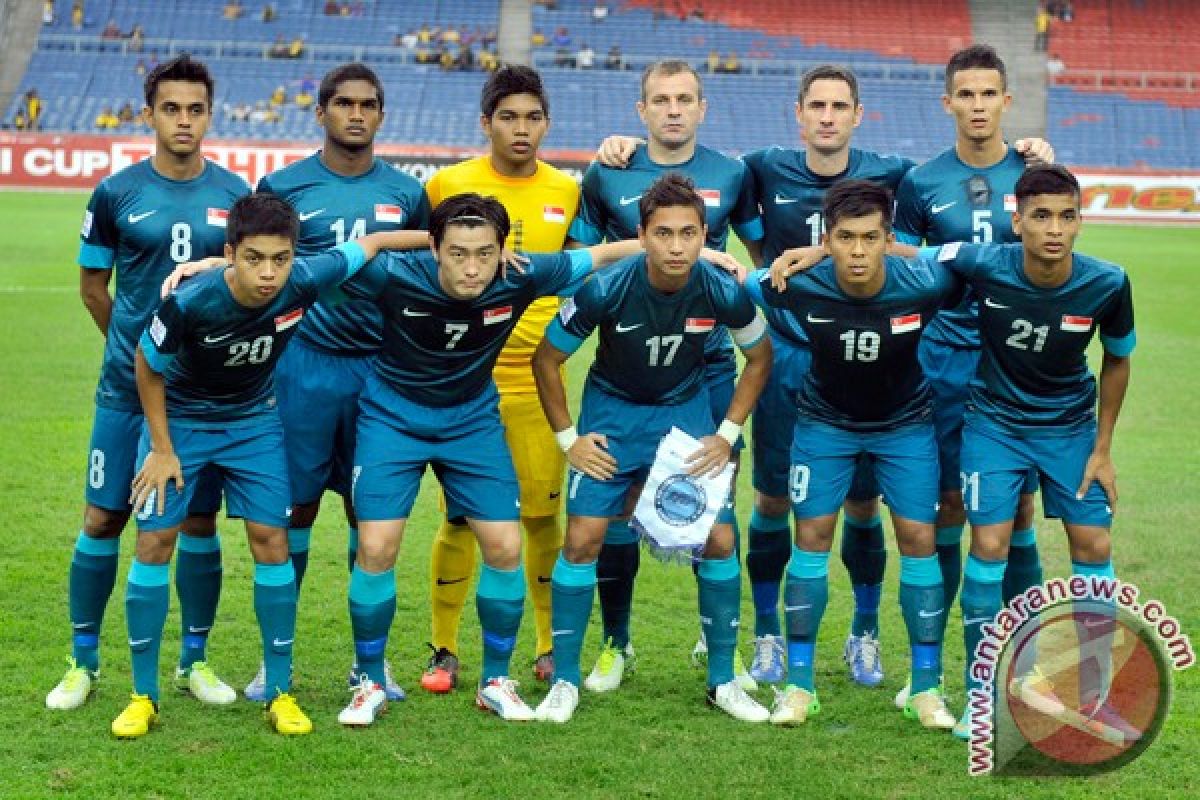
(654, 738)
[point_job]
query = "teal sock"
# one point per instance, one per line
(616, 572)
(805, 594)
(865, 558)
(922, 605)
(981, 602)
(1024, 566)
(351, 547)
(298, 539)
(1095, 629)
(93, 576)
(949, 555)
(372, 608)
(146, 599)
(275, 607)
(571, 589)
(198, 583)
(768, 546)
(499, 601)
(719, 590)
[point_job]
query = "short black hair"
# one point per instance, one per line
(857, 198)
(829, 72)
(261, 214)
(977, 56)
(669, 67)
(181, 68)
(671, 189)
(469, 210)
(354, 71)
(508, 80)
(1046, 179)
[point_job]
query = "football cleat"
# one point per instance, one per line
(929, 708)
(393, 690)
(543, 667)
(74, 689)
(1036, 691)
(441, 676)
(1104, 721)
(962, 728)
(901, 698)
(744, 679)
(368, 702)
(137, 718)
(793, 706)
(286, 717)
(560, 704)
(767, 666)
(862, 655)
(499, 695)
(610, 668)
(256, 690)
(733, 700)
(202, 682)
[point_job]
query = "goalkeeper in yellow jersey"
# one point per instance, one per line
(541, 202)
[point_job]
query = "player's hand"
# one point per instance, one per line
(590, 456)
(187, 270)
(615, 151)
(711, 458)
(511, 259)
(1100, 468)
(157, 470)
(1035, 151)
(726, 262)
(797, 259)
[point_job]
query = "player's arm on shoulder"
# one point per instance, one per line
(1034, 150)
(154, 353)
(190, 269)
(616, 151)
(793, 261)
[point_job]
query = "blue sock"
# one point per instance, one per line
(981, 602)
(865, 558)
(198, 583)
(93, 575)
(719, 590)
(805, 594)
(351, 547)
(146, 599)
(372, 608)
(298, 539)
(768, 545)
(499, 601)
(275, 607)
(616, 571)
(571, 588)
(922, 603)
(1095, 630)
(949, 555)
(1024, 565)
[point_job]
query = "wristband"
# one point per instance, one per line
(729, 431)
(566, 438)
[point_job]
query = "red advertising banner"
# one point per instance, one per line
(49, 161)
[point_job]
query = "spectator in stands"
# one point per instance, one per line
(538, 39)
(586, 57)
(713, 62)
(489, 39)
(465, 60)
(238, 113)
(33, 110)
(269, 14)
(1067, 13)
(263, 113)
(278, 97)
(296, 48)
(77, 15)
(111, 31)
(137, 38)
(731, 65)
(279, 48)
(600, 11)
(614, 59)
(407, 40)
(106, 120)
(140, 67)
(233, 9)
(451, 35)
(1041, 36)
(425, 35)
(19, 122)
(48, 12)
(303, 99)
(488, 61)
(331, 8)
(562, 37)
(125, 114)
(1055, 66)
(444, 59)
(308, 84)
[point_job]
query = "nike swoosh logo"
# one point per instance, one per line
(990, 303)
(139, 642)
(194, 629)
(134, 219)
(555, 495)
(444, 582)
(797, 608)
(408, 312)
(80, 625)
(783, 201)
(930, 614)
(209, 339)
(281, 642)
(817, 320)
(307, 215)
(543, 579)
(977, 620)
(627, 328)
(561, 633)
(627, 200)
(936, 209)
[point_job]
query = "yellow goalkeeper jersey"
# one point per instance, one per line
(540, 209)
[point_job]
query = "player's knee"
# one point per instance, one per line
(304, 515)
(156, 547)
(862, 510)
(268, 544)
(991, 541)
(720, 543)
(914, 538)
(772, 505)
(101, 523)
(577, 551)
(1090, 545)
